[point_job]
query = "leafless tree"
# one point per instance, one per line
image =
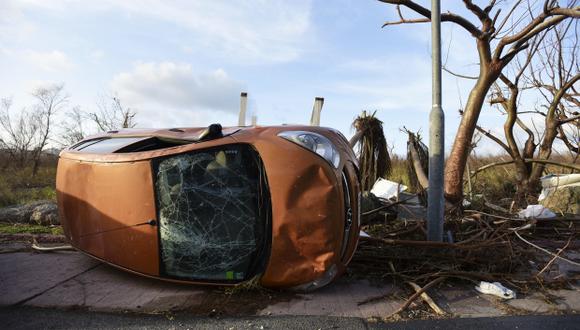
(19, 133)
(499, 37)
(112, 115)
(49, 100)
(549, 68)
(72, 128)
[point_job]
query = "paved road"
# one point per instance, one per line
(37, 318)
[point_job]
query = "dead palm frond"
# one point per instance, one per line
(374, 158)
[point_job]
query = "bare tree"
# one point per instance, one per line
(19, 133)
(549, 68)
(112, 115)
(72, 127)
(499, 37)
(49, 101)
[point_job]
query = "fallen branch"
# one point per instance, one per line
(417, 294)
(37, 247)
(555, 257)
(431, 243)
(427, 299)
(527, 160)
(546, 251)
(367, 213)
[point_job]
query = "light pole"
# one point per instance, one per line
(436, 202)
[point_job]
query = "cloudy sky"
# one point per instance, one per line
(184, 63)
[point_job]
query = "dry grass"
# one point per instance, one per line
(18, 186)
(494, 184)
(498, 184)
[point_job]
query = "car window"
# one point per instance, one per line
(106, 145)
(211, 215)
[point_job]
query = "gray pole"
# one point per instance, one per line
(436, 202)
(243, 106)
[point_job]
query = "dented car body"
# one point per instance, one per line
(215, 206)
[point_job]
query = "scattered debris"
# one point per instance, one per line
(536, 212)
(496, 289)
(387, 189)
(37, 247)
(486, 247)
(561, 193)
(427, 299)
(553, 182)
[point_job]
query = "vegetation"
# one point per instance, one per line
(19, 228)
(27, 168)
(19, 186)
(502, 32)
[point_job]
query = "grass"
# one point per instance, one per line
(497, 184)
(19, 186)
(399, 171)
(9, 228)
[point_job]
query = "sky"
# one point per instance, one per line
(184, 63)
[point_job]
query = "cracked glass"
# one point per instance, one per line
(211, 222)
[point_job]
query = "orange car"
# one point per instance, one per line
(215, 206)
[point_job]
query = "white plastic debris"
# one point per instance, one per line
(387, 189)
(536, 211)
(496, 289)
(363, 234)
(552, 182)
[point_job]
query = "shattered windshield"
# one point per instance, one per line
(212, 223)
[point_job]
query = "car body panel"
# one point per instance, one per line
(112, 227)
(113, 193)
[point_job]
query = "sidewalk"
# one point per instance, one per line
(68, 280)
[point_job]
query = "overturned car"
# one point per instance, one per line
(213, 205)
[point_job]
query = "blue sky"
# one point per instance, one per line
(184, 63)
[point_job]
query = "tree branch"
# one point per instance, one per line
(445, 17)
(528, 160)
(494, 139)
(569, 119)
(458, 74)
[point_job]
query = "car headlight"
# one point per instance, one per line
(315, 143)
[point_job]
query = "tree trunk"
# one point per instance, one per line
(489, 71)
(455, 165)
(525, 188)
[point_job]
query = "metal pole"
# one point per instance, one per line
(243, 105)
(316, 109)
(436, 202)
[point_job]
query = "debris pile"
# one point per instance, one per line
(479, 246)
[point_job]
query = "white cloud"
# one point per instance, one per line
(257, 31)
(272, 30)
(52, 61)
(175, 89)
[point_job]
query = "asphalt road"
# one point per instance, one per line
(36, 318)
